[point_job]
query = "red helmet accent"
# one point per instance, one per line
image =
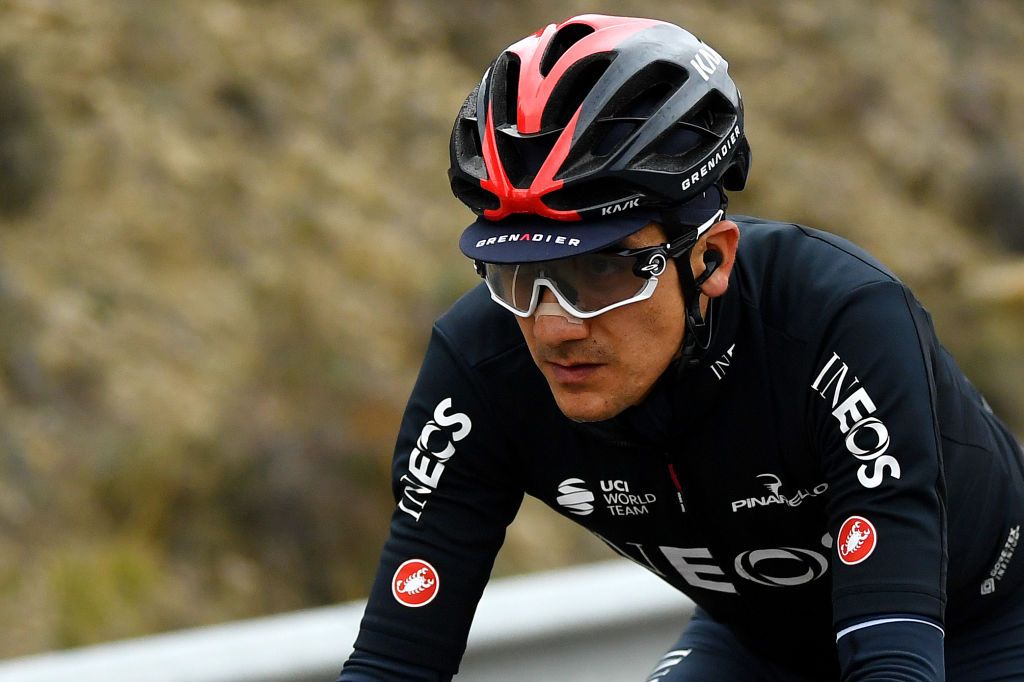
(526, 200)
(535, 87)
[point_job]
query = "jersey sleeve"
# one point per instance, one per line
(455, 492)
(363, 666)
(874, 427)
(891, 647)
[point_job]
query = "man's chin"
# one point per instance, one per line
(586, 407)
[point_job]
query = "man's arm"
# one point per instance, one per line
(899, 646)
(456, 491)
(872, 410)
(363, 666)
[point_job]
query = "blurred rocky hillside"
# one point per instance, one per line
(225, 229)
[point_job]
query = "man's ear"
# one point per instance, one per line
(718, 245)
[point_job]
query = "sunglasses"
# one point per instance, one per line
(589, 284)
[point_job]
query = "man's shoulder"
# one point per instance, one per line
(812, 254)
(796, 275)
(479, 330)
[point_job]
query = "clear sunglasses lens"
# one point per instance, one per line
(589, 283)
(512, 283)
(595, 281)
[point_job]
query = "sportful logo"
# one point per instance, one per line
(776, 496)
(434, 447)
(854, 416)
(575, 498)
(857, 540)
(527, 237)
(719, 156)
(706, 62)
(999, 569)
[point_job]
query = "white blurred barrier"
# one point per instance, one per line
(612, 620)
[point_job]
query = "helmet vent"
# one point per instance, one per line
(566, 37)
(505, 88)
(466, 148)
(693, 138)
(623, 113)
(648, 90)
(469, 147)
(572, 89)
(713, 115)
(590, 193)
(523, 155)
(610, 134)
(474, 196)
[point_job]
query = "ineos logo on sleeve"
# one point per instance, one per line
(867, 437)
(434, 446)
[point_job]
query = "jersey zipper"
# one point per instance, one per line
(675, 481)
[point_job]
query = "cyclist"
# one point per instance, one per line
(759, 413)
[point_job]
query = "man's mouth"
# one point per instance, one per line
(572, 372)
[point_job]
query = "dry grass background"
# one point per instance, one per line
(225, 229)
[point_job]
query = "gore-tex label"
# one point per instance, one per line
(988, 586)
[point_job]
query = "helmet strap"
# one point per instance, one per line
(697, 334)
(699, 329)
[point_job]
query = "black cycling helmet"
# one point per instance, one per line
(599, 115)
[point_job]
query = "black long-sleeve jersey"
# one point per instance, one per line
(826, 461)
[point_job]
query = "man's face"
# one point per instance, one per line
(610, 362)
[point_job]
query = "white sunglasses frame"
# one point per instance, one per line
(645, 292)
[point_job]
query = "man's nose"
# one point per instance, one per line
(553, 325)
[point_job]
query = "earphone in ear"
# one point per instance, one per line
(712, 259)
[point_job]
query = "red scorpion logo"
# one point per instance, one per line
(415, 583)
(855, 539)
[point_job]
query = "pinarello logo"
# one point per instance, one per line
(857, 538)
(415, 583)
